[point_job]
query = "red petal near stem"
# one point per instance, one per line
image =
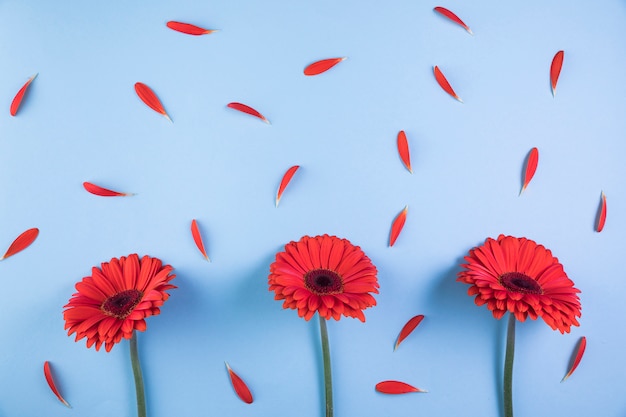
(447, 13)
(188, 29)
(403, 150)
(444, 84)
(531, 166)
(555, 70)
(408, 329)
(151, 100)
(285, 181)
(396, 387)
(17, 100)
(248, 110)
(21, 242)
(240, 387)
(197, 238)
(103, 192)
(580, 350)
(322, 66)
(48, 374)
(397, 225)
(601, 214)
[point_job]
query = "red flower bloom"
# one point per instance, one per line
(518, 275)
(116, 298)
(324, 274)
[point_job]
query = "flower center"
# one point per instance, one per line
(323, 281)
(518, 282)
(121, 304)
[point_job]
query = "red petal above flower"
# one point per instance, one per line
(240, 387)
(580, 350)
(17, 100)
(248, 110)
(443, 83)
(48, 374)
(397, 225)
(103, 192)
(396, 387)
(151, 100)
(447, 13)
(601, 213)
(197, 238)
(322, 66)
(531, 167)
(555, 70)
(403, 150)
(285, 181)
(21, 242)
(408, 329)
(188, 29)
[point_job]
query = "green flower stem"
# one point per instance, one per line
(134, 360)
(328, 379)
(508, 367)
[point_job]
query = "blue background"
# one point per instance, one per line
(82, 121)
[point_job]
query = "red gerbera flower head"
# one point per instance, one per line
(114, 301)
(324, 274)
(519, 276)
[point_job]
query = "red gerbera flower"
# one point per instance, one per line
(324, 274)
(518, 275)
(114, 301)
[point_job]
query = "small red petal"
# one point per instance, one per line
(103, 192)
(444, 84)
(397, 225)
(601, 213)
(580, 350)
(396, 387)
(21, 242)
(240, 387)
(408, 329)
(197, 238)
(248, 110)
(151, 100)
(321, 66)
(17, 100)
(447, 13)
(285, 181)
(188, 28)
(48, 374)
(555, 70)
(531, 167)
(403, 150)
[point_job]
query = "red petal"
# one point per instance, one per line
(21, 242)
(447, 13)
(322, 66)
(397, 225)
(240, 387)
(555, 70)
(396, 387)
(601, 214)
(580, 350)
(248, 110)
(48, 374)
(188, 29)
(103, 192)
(408, 329)
(443, 83)
(531, 167)
(403, 150)
(17, 100)
(146, 95)
(285, 181)
(197, 238)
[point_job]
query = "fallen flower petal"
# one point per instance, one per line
(248, 110)
(197, 238)
(403, 150)
(188, 29)
(285, 181)
(580, 350)
(151, 100)
(447, 13)
(17, 100)
(21, 242)
(396, 387)
(555, 70)
(48, 374)
(601, 213)
(408, 329)
(531, 167)
(324, 65)
(444, 84)
(397, 225)
(103, 192)
(240, 387)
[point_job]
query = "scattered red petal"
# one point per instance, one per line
(322, 66)
(396, 387)
(240, 387)
(103, 192)
(601, 213)
(443, 83)
(531, 166)
(397, 225)
(151, 100)
(21, 242)
(48, 374)
(188, 29)
(197, 238)
(447, 13)
(285, 181)
(555, 70)
(17, 100)
(248, 110)
(580, 350)
(408, 329)
(403, 150)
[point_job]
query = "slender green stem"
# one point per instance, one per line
(328, 379)
(134, 360)
(508, 367)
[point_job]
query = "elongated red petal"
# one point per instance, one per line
(447, 13)
(197, 238)
(408, 329)
(103, 192)
(397, 225)
(48, 374)
(555, 70)
(444, 84)
(396, 387)
(403, 150)
(21, 242)
(188, 28)
(248, 110)
(151, 100)
(531, 166)
(240, 387)
(601, 213)
(321, 66)
(580, 350)
(285, 181)
(17, 100)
